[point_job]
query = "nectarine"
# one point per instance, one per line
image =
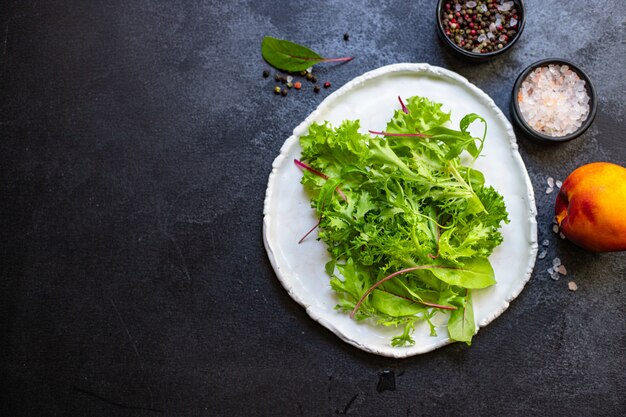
(591, 207)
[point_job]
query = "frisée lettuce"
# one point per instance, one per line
(408, 227)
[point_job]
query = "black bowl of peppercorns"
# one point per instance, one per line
(480, 29)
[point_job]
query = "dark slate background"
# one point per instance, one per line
(136, 138)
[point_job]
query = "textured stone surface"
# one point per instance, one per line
(136, 141)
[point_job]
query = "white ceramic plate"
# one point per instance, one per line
(372, 98)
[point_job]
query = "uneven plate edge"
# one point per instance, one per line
(301, 128)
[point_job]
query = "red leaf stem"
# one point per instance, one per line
(404, 108)
(310, 231)
(409, 135)
(310, 169)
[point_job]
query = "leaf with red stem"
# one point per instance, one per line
(388, 277)
(290, 56)
(408, 135)
(321, 175)
(426, 303)
(404, 108)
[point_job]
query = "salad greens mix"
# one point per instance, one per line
(408, 226)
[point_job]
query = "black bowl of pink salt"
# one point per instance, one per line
(480, 29)
(553, 100)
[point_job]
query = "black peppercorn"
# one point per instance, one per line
(346, 36)
(266, 73)
(309, 76)
(316, 89)
(277, 77)
(283, 92)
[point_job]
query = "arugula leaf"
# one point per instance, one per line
(290, 56)
(414, 227)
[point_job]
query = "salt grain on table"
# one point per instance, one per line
(561, 270)
(553, 100)
(556, 262)
(561, 235)
(558, 183)
(550, 182)
(545, 242)
(543, 254)
(549, 190)
(555, 228)
(553, 274)
(572, 286)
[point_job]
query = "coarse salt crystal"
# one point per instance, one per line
(561, 270)
(513, 22)
(549, 190)
(545, 242)
(470, 4)
(561, 235)
(555, 228)
(558, 183)
(554, 275)
(482, 38)
(556, 262)
(506, 6)
(543, 254)
(457, 7)
(289, 78)
(572, 286)
(550, 181)
(553, 100)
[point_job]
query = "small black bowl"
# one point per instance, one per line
(517, 114)
(521, 22)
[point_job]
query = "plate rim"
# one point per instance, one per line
(304, 125)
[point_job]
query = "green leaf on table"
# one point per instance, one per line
(290, 56)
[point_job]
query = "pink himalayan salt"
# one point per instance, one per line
(553, 100)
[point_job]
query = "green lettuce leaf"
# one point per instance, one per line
(405, 202)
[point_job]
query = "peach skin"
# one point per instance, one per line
(591, 207)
